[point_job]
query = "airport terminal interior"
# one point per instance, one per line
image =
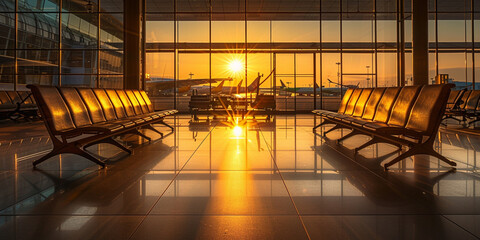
(239, 119)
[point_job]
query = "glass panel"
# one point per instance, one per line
(296, 31)
(80, 6)
(111, 32)
(358, 6)
(477, 70)
(111, 5)
(38, 30)
(35, 5)
(228, 31)
(258, 31)
(453, 6)
(453, 64)
(7, 6)
(387, 31)
(111, 81)
(358, 30)
(193, 6)
(7, 28)
(160, 6)
(6, 82)
(281, 6)
(451, 29)
(477, 31)
(408, 69)
(159, 67)
(330, 6)
(431, 68)
(111, 62)
(43, 79)
(232, 6)
(32, 62)
(79, 30)
(193, 31)
(260, 63)
(159, 31)
(330, 28)
(331, 79)
(386, 5)
(79, 61)
(79, 80)
(387, 69)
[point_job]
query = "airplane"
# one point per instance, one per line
(166, 85)
(344, 85)
(204, 89)
(310, 90)
(239, 89)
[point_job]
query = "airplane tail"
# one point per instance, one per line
(218, 88)
(316, 85)
(254, 84)
(283, 84)
(239, 84)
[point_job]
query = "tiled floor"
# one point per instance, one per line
(265, 180)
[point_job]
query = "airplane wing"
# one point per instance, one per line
(182, 83)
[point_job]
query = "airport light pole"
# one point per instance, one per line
(368, 75)
(338, 75)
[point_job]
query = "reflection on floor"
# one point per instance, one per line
(265, 180)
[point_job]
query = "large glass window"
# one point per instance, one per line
(317, 49)
(75, 43)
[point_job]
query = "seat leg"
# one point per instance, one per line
(117, 144)
(324, 121)
(69, 149)
(54, 152)
(370, 142)
(141, 135)
(162, 122)
(86, 155)
(149, 126)
(333, 128)
(473, 121)
(352, 133)
(421, 149)
(109, 141)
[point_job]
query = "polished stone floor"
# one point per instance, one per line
(262, 180)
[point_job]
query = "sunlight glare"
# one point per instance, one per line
(235, 66)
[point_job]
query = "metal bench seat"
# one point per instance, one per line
(77, 118)
(404, 116)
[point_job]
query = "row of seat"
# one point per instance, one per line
(463, 105)
(408, 116)
(16, 104)
(77, 118)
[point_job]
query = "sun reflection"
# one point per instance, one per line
(237, 131)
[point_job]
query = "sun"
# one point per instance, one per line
(235, 66)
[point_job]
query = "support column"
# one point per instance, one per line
(132, 44)
(420, 41)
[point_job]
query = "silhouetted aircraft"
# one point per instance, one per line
(344, 85)
(310, 90)
(167, 85)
